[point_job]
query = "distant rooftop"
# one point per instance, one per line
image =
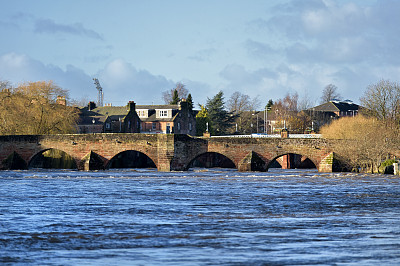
(336, 106)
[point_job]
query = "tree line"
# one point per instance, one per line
(35, 108)
(241, 114)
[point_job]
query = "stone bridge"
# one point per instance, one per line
(169, 152)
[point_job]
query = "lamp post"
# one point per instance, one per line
(252, 122)
(265, 120)
(267, 108)
(257, 123)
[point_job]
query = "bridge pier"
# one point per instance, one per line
(327, 164)
(252, 162)
(92, 161)
(165, 151)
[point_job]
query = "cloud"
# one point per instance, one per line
(258, 49)
(122, 82)
(261, 82)
(50, 27)
(203, 55)
(19, 68)
(334, 32)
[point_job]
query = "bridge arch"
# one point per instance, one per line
(291, 160)
(52, 158)
(131, 159)
(211, 160)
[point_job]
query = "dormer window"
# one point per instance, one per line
(163, 113)
(142, 113)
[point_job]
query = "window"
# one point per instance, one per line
(163, 113)
(190, 126)
(108, 125)
(142, 113)
(179, 126)
(154, 126)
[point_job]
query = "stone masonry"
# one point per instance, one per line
(169, 152)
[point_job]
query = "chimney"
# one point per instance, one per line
(131, 106)
(91, 106)
(183, 105)
(61, 100)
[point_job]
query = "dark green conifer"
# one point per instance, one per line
(175, 98)
(190, 101)
(221, 119)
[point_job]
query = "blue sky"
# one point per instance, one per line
(138, 49)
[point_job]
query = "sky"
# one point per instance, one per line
(138, 49)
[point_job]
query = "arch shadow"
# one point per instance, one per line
(292, 161)
(130, 159)
(52, 159)
(211, 160)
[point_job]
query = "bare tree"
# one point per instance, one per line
(169, 95)
(330, 93)
(306, 102)
(238, 103)
(244, 107)
(287, 113)
(4, 84)
(32, 109)
(363, 142)
(382, 101)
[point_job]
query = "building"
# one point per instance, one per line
(172, 118)
(335, 109)
(162, 119)
(109, 119)
(324, 113)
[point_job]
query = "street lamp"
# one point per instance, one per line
(267, 108)
(257, 120)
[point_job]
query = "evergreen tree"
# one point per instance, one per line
(269, 104)
(221, 119)
(202, 119)
(190, 101)
(175, 98)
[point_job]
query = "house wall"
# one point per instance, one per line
(161, 127)
(185, 122)
(131, 120)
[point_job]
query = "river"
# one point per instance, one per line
(199, 217)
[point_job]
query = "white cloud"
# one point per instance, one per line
(51, 27)
(19, 68)
(122, 82)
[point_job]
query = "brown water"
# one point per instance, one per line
(198, 218)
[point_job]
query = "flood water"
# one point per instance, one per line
(199, 217)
